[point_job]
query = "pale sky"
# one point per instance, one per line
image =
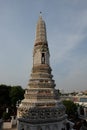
(66, 23)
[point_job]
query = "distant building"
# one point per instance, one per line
(82, 106)
(41, 108)
(81, 100)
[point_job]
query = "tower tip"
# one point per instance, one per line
(40, 13)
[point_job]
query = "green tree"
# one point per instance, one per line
(9, 95)
(71, 108)
(4, 94)
(16, 94)
(5, 101)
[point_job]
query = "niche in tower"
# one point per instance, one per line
(43, 58)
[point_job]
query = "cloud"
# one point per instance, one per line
(66, 40)
(69, 65)
(67, 31)
(76, 78)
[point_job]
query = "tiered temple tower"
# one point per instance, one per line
(41, 108)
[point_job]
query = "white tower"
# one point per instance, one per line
(41, 109)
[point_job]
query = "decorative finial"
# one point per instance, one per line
(40, 13)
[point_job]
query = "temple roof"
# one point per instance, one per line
(41, 31)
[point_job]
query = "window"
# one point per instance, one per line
(43, 58)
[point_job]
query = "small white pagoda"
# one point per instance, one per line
(41, 108)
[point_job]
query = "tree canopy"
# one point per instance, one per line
(16, 94)
(71, 108)
(9, 95)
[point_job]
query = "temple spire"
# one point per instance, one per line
(41, 108)
(41, 35)
(41, 53)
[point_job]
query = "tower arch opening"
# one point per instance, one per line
(43, 58)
